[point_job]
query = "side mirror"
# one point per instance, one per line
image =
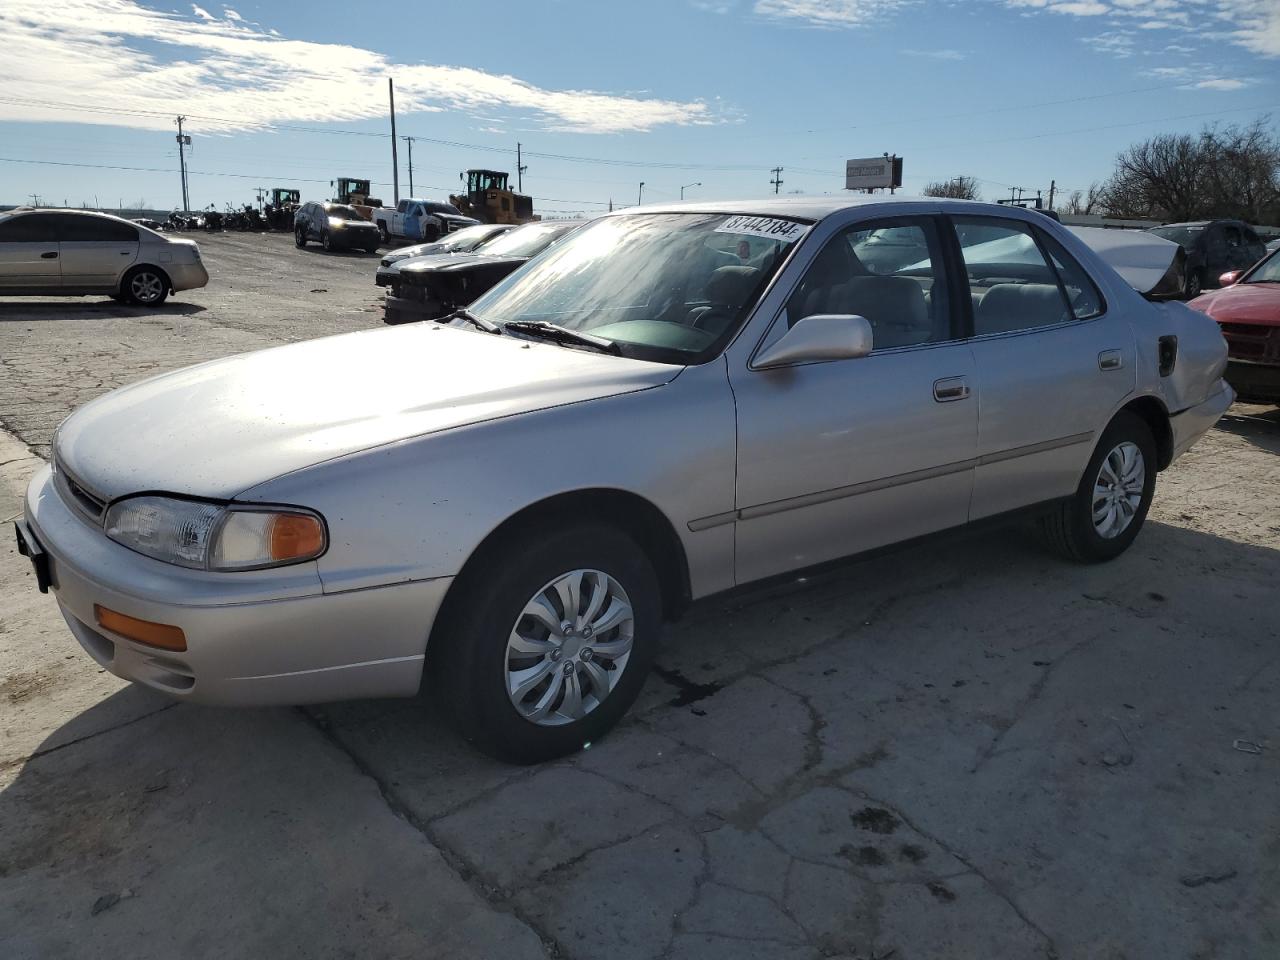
(822, 336)
(1228, 278)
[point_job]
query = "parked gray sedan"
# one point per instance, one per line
(79, 253)
(670, 403)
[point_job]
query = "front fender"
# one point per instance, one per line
(417, 509)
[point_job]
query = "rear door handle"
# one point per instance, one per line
(51, 255)
(1110, 360)
(950, 388)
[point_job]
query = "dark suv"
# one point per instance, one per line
(1213, 247)
(336, 225)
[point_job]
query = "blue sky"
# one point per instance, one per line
(673, 92)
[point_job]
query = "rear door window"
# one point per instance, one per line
(1011, 284)
(1085, 298)
(77, 228)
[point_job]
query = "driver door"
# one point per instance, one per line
(842, 456)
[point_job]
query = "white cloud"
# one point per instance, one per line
(938, 54)
(830, 13)
(1252, 24)
(128, 57)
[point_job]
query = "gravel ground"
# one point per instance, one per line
(963, 749)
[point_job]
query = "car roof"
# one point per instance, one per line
(819, 207)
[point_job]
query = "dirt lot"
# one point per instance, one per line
(964, 749)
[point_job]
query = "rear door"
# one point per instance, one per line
(29, 253)
(95, 250)
(1053, 362)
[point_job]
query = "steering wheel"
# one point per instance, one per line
(703, 320)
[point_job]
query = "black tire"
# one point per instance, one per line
(430, 233)
(372, 249)
(1069, 527)
(468, 662)
(1195, 284)
(300, 237)
(145, 286)
(324, 240)
(382, 231)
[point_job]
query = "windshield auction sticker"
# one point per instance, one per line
(786, 231)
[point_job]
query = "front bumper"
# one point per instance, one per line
(251, 639)
(358, 238)
(1191, 424)
(1254, 381)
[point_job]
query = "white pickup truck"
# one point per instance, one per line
(424, 220)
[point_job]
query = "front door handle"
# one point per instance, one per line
(950, 388)
(1110, 360)
(51, 255)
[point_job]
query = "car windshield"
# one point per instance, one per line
(1268, 271)
(667, 287)
(468, 238)
(1185, 236)
(526, 241)
(340, 211)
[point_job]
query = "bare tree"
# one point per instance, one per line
(1231, 171)
(1081, 202)
(957, 188)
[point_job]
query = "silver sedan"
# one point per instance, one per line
(671, 403)
(80, 253)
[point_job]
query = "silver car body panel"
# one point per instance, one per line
(97, 266)
(417, 447)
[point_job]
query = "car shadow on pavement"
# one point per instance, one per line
(81, 310)
(970, 739)
(1258, 424)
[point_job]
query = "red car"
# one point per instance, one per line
(1247, 308)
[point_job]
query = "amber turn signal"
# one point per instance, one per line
(295, 535)
(160, 635)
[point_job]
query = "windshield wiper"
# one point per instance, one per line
(488, 326)
(559, 334)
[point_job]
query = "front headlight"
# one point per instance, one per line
(210, 536)
(335, 222)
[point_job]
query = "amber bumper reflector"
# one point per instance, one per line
(142, 631)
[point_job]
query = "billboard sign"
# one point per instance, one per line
(873, 172)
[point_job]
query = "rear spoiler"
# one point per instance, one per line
(1152, 265)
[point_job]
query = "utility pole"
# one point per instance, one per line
(409, 141)
(182, 164)
(640, 199)
(1053, 188)
(777, 180)
(687, 185)
(395, 160)
(520, 169)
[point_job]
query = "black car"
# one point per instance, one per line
(1213, 247)
(336, 225)
(461, 241)
(434, 287)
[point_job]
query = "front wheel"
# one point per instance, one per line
(1195, 284)
(300, 237)
(549, 640)
(1108, 509)
(324, 240)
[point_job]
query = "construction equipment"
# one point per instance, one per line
(355, 193)
(284, 204)
(490, 200)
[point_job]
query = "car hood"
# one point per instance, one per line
(454, 263)
(217, 429)
(1243, 303)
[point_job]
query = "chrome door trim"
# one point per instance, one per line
(884, 483)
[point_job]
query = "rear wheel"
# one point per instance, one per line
(549, 640)
(145, 286)
(1195, 284)
(1109, 507)
(382, 231)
